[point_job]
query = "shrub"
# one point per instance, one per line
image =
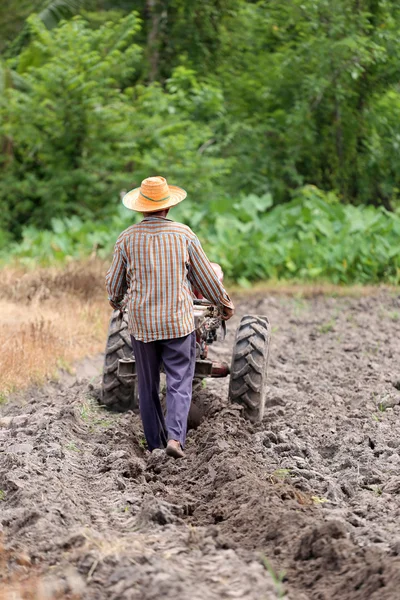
(313, 237)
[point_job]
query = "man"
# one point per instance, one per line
(155, 264)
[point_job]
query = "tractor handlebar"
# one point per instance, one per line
(202, 302)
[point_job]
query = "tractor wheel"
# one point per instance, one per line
(118, 393)
(248, 379)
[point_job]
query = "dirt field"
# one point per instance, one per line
(304, 506)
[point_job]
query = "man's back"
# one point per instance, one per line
(160, 259)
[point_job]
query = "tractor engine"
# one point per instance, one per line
(207, 319)
(207, 322)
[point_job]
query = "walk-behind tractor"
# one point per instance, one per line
(248, 370)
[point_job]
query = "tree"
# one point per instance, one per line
(300, 79)
(81, 133)
(12, 18)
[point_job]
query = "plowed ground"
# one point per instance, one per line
(304, 505)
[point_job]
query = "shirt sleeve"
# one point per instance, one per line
(116, 283)
(203, 277)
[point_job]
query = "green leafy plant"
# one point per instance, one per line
(311, 238)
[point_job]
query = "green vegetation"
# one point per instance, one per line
(282, 120)
(92, 414)
(319, 500)
(327, 327)
(278, 578)
(280, 474)
(311, 237)
(72, 446)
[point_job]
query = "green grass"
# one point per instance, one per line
(299, 305)
(281, 474)
(383, 404)
(92, 413)
(277, 577)
(327, 327)
(319, 500)
(72, 446)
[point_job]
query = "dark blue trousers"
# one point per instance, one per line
(178, 356)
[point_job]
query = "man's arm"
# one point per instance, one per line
(116, 279)
(204, 278)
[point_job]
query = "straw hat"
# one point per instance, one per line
(154, 194)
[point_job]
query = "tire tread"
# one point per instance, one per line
(249, 365)
(117, 394)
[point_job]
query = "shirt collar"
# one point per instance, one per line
(157, 219)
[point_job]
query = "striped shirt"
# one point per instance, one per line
(154, 265)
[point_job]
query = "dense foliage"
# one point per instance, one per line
(310, 238)
(241, 102)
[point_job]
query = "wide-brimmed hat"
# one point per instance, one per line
(154, 194)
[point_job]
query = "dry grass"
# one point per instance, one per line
(48, 320)
(35, 341)
(310, 290)
(84, 280)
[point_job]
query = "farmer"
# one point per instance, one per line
(154, 264)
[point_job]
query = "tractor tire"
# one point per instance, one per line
(117, 393)
(248, 381)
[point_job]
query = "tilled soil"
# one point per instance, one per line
(304, 505)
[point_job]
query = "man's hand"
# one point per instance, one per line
(227, 313)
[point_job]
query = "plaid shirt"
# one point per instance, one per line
(154, 264)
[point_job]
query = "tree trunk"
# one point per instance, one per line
(339, 147)
(153, 41)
